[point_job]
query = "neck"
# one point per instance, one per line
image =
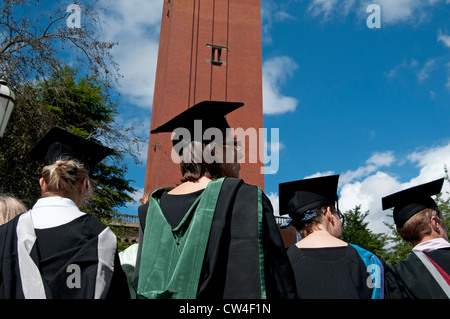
(320, 238)
(76, 199)
(191, 186)
(425, 239)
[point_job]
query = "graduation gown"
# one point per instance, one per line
(227, 245)
(347, 272)
(425, 274)
(77, 259)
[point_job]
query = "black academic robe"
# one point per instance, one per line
(232, 262)
(330, 273)
(425, 276)
(76, 260)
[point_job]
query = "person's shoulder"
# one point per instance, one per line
(243, 184)
(12, 223)
(91, 222)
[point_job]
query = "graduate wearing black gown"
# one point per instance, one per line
(55, 251)
(425, 274)
(219, 241)
(327, 267)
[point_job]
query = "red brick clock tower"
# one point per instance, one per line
(208, 50)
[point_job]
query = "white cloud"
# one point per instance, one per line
(447, 84)
(382, 159)
(367, 185)
(134, 25)
(275, 147)
(325, 7)
(392, 11)
(272, 11)
(274, 199)
(424, 73)
(276, 71)
(320, 174)
(377, 160)
(421, 73)
(445, 39)
(368, 193)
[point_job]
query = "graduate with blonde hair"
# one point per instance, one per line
(56, 251)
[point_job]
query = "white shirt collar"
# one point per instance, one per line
(432, 244)
(54, 211)
(55, 201)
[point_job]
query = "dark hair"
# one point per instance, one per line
(193, 169)
(306, 227)
(200, 159)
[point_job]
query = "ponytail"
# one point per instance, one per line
(63, 176)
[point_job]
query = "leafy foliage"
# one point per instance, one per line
(34, 41)
(79, 106)
(356, 231)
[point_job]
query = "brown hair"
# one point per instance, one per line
(305, 228)
(63, 176)
(194, 164)
(419, 225)
(9, 208)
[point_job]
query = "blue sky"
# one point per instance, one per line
(372, 105)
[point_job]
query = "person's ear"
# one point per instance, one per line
(42, 184)
(82, 185)
(329, 215)
(436, 224)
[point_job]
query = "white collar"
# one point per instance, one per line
(54, 211)
(432, 244)
(55, 201)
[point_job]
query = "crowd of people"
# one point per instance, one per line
(213, 236)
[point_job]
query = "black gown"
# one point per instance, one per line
(76, 260)
(421, 282)
(334, 273)
(224, 274)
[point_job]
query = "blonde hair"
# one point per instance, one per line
(9, 208)
(63, 176)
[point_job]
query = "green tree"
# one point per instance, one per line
(443, 203)
(397, 248)
(355, 231)
(34, 42)
(78, 105)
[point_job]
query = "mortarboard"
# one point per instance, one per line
(211, 113)
(298, 197)
(60, 144)
(409, 202)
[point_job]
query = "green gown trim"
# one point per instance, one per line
(175, 273)
(260, 245)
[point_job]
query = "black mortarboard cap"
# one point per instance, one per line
(60, 144)
(297, 197)
(409, 202)
(211, 113)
